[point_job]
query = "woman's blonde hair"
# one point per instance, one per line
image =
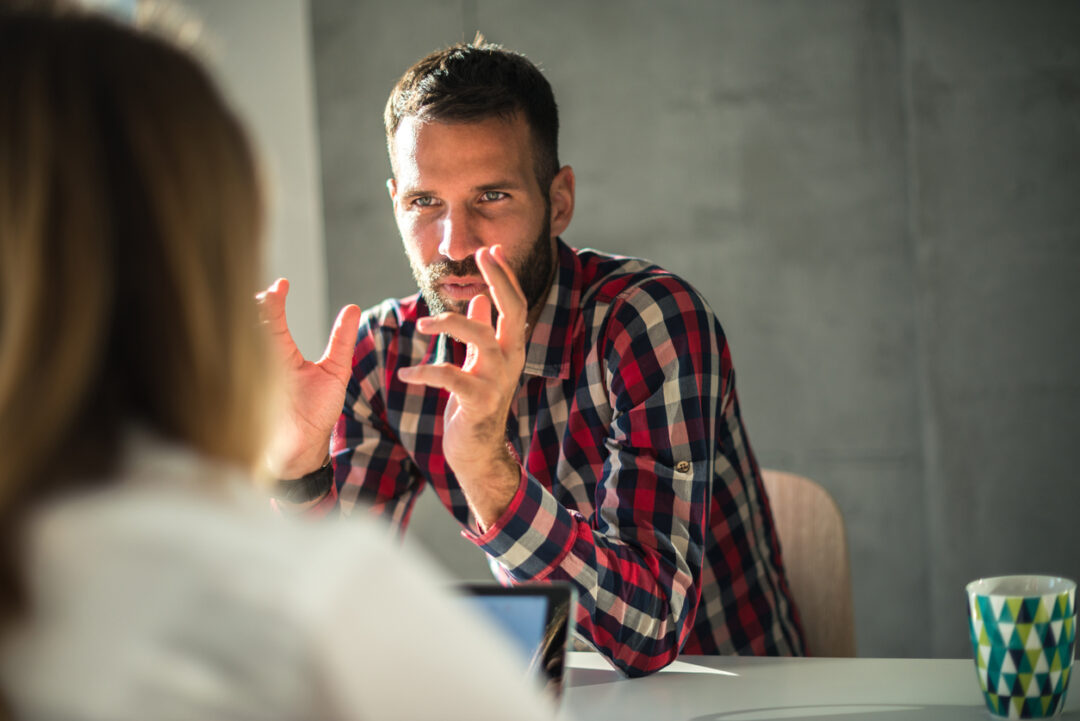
(130, 250)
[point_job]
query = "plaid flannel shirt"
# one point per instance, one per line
(638, 484)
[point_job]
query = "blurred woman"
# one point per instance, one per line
(141, 576)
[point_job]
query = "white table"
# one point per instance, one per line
(732, 688)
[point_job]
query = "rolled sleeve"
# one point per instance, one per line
(532, 536)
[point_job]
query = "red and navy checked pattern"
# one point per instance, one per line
(638, 483)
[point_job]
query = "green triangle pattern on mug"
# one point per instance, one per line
(1023, 652)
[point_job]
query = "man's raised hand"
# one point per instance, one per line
(482, 390)
(315, 390)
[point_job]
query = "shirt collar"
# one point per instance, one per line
(548, 351)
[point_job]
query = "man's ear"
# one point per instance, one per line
(562, 200)
(391, 187)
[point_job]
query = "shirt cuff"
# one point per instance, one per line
(533, 534)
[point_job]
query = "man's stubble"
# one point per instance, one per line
(533, 273)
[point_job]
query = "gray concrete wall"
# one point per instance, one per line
(879, 199)
(994, 108)
(260, 51)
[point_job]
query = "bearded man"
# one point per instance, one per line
(575, 411)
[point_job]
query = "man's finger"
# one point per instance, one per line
(271, 304)
(498, 253)
(337, 358)
(505, 292)
(478, 332)
(502, 284)
(479, 309)
(446, 376)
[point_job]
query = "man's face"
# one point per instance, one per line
(459, 187)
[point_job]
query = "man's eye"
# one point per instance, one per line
(492, 195)
(423, 201)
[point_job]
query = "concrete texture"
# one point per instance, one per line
(878, 198)
(994, 107)
(260, 51)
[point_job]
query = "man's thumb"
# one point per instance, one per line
(339, 350)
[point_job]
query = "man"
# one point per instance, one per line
(576, 412)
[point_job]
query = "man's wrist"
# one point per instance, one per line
(293, 459)
(490, 486)
(308, 487)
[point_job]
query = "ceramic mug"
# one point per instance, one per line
(1023, 632)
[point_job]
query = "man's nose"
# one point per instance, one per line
(459, 239)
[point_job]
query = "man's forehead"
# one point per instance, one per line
(425, 145)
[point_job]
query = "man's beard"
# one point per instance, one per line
(533, 273)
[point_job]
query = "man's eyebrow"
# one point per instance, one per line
(506, 184)
(499, 185)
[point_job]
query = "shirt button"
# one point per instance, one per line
(682, 466)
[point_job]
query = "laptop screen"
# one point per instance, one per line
(537, 618)
(522, 618)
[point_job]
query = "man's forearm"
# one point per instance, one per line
(490, 487)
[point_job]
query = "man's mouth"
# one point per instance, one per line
(462, 288)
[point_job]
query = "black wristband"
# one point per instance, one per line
(308, 487)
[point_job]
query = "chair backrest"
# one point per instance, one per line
(815, 554)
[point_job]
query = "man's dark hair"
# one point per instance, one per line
(469, 82)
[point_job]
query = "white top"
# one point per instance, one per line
(163, 598)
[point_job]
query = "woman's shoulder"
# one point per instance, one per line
(178, 586)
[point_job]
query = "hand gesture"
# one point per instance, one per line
(315, 391)
(481, 391)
